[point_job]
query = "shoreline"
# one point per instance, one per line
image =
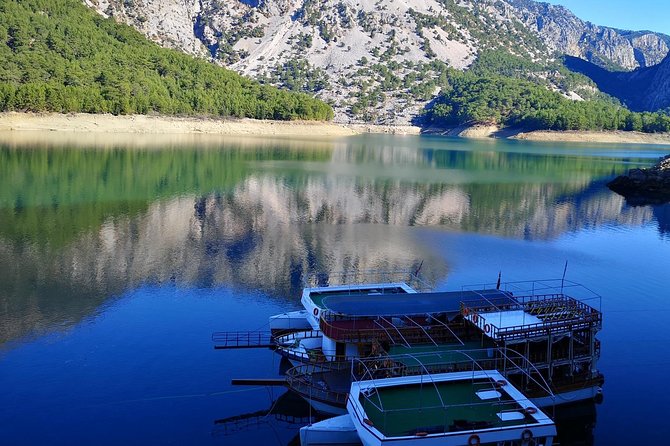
(171, 125)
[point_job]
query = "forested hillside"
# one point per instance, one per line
(60, 56)
(506, 90)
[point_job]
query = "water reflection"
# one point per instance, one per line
(78, 225)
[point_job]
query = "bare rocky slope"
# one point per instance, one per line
(377, 62)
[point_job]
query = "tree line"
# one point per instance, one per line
(60, 56)
(469, 98)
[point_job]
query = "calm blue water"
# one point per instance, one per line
(119, 258)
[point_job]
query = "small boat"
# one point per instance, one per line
(458, 408)
(336, 431)
(289, 322)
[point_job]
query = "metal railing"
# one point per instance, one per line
(242, 339)
(557, 312)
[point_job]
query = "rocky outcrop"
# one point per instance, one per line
(645, 186)
(567, 34)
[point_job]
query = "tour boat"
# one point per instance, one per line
(468, 407)
(448, 409)
(537, 321)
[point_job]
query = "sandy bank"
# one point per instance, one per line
(104, 123)
(168, 125)
(492, 131)
(587, 136)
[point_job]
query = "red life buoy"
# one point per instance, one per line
(500, 383)
(531, 410)
(466, 311)
(487, 328)
(474, 440)
(316, 311)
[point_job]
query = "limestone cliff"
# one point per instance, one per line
(376, 61)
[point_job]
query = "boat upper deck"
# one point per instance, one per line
(531, 316)
(387, 305)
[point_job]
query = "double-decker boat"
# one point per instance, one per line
(549, 327)
(551, 324)
(468, 407)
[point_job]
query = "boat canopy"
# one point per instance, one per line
(373, 305)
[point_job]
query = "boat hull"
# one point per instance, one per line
(337, 431)
(291, 321)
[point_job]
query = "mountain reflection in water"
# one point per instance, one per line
(86, 220)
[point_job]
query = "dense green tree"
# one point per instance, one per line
(471, 98)
(58, 55)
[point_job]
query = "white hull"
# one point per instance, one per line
(569, 397)
(337, 431)
(293, 320)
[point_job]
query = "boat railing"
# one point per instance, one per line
(305, 380)
(555, 312)
(355, 278)
(296, 335)
(503, 359)
(242, 339)
(485, 377)
(540, 289)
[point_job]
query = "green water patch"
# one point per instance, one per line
(51, 195)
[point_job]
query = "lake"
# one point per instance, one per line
(121, 255)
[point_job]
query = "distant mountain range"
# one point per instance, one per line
(372, 60)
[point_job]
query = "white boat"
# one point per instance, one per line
(290, 321)
(336, 431)
(449, 409)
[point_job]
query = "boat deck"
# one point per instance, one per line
(450, 406)
(318, 296)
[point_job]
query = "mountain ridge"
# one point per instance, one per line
(382, 62)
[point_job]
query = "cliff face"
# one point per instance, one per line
(567, 34)
(645, 89)
(374, 61)
(658, 94)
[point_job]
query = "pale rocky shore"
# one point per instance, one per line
(169, 125)
(570, 136)
(106, 123)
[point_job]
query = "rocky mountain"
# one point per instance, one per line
(378, 62)
(607, 47)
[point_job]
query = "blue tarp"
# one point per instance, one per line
(411, 304)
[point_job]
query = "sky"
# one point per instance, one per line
(653, 15)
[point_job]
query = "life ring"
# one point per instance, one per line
(466, 311)
(474, 440)
(475, 318)
(526, 435)
(487, 328)
(421, 434)
(500, 383)
(531, 410)
(316, 311)
(368, 422)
